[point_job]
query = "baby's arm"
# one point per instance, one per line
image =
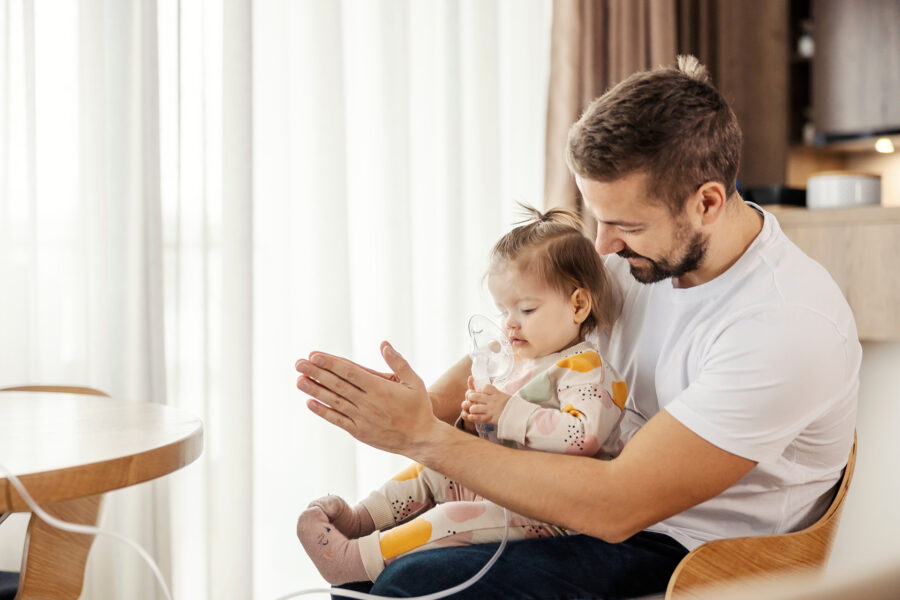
(586, 413)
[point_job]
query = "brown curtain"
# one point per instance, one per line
(594, 45)
(597, 43)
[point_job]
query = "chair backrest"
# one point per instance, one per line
(60, 389)
(724, 560)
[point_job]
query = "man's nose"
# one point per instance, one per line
(608, 241)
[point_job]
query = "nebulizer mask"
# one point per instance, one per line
(493, 360)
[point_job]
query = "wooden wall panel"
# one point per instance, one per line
(752, 74)
(859, 248)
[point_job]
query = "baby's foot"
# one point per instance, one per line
(337, 558)
(352, 522)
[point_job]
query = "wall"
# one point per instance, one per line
(869, 532)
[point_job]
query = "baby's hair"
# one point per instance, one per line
(552, 246)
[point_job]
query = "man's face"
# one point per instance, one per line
(633, 225)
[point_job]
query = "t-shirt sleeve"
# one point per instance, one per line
(763, 380)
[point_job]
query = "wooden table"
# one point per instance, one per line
(68, 449)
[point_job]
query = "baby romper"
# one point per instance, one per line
(567, 402)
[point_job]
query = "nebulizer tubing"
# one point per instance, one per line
(81, 528)
(492, 362)
(432, 596)
(90, 530)
(492, 359)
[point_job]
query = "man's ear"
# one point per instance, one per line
(709, 202)
(580, 301)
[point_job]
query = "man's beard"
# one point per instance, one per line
(695, 252)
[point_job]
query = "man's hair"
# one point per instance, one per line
(670, 123)
(551, 245)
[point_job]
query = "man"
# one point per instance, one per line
(740, 353)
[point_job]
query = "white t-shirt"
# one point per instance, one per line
(763, 361)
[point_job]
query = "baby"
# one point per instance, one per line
(552, 290)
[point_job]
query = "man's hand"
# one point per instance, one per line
(391, 412)
(484, 406)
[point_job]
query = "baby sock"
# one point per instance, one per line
(352, 522)
(336, 557)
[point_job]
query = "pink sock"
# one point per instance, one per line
(336, 557)
(352, 522)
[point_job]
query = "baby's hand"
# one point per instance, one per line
(467, 423)
(484, 406)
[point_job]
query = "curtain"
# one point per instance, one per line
(195, 194)
(596, 44)
(80, 230)
(205, 91)
(391, 141)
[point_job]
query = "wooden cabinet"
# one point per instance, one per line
(856, 66)
(860, 248)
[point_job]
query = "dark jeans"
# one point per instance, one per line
(569, 567)
(9, 582)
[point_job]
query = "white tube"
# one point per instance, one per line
(433, 596)
(79, 528)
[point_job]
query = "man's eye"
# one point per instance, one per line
(629, 231)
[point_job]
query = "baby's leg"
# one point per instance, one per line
(411, 492)
(352, 522)
(329, 527)
(336, 557)
(450, 524)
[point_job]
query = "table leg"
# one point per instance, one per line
(53, 560)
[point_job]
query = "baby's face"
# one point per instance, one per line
(537, 319)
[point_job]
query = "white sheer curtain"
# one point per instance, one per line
(80, 232)
(240, 183)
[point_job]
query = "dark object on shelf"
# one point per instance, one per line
(823, 139)
(776, 194)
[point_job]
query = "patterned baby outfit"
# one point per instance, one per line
(567, 402)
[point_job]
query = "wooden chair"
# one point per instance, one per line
(60, 389)
(9, 580)
(725, 560)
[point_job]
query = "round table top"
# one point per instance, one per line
(65, 446)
